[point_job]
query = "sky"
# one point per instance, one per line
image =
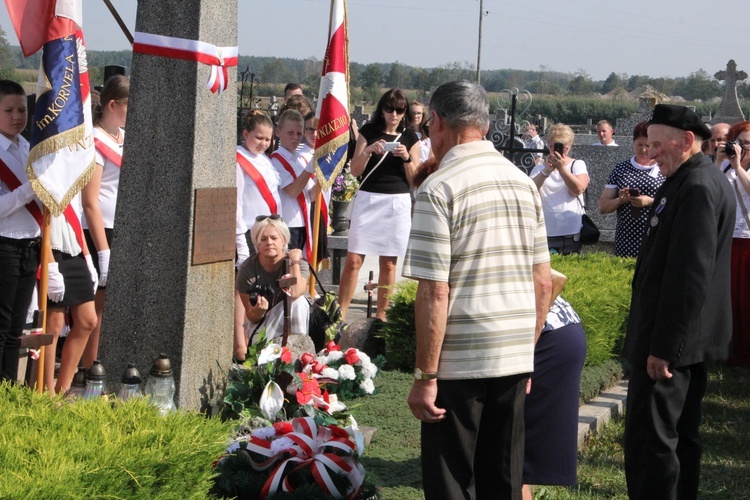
(669, 38)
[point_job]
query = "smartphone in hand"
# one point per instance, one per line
(558, 147)
(634, 192)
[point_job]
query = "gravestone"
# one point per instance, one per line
(729, 110)
(625, 126)
(170, 284)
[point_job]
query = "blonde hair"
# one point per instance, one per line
(559, 132)
(261, 225)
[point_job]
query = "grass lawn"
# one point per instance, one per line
(393, 456)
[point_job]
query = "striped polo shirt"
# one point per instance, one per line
(479, 226)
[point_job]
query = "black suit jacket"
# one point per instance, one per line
(680, 310)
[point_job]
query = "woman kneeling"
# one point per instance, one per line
(257, 284)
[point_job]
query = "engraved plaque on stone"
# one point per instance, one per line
(214, 225)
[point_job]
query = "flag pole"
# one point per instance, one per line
(319, 197)
(42, 296)
(316, 236)
(119, 20)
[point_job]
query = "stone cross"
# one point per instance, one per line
(729, 110)
(170, 285)
(360, 116)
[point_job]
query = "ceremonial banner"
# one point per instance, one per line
(62, 156)
(333, 102)
(36, 22)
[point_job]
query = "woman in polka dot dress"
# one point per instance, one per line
(630, 190)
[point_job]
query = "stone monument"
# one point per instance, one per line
(729, 110)
(170, 284)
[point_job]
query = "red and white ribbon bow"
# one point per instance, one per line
(219, 58)
(311, 446)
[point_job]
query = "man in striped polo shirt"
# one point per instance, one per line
(478, 248)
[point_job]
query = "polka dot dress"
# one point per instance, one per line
(631, 221)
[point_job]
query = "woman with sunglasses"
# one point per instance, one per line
(385, 159)
(257, 284)
(736, 169)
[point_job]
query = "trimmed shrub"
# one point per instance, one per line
(54, 448)
(598, 288)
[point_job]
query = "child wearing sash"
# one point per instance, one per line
(257, 195)
(296, 185)
(72, 284)
(20, 227)
(100, 194)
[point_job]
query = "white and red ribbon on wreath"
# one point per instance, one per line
(314, 447)
(219, 58)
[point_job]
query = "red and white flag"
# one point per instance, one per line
(36, 22)
(62, 156)
(333, 104)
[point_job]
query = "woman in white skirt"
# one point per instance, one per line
(385, 158)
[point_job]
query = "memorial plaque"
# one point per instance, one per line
(214, 225)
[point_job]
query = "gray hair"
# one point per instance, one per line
(462, 105)
(279, 224)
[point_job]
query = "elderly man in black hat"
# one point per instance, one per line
(680, 314)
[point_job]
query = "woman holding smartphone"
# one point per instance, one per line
(630, 190)
(561, 181)
(385, 158)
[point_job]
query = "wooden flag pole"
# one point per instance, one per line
(119, 20)
(315, 236)
(45, 252)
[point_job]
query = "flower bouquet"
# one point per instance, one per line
(351, 370)
(269, 385)
(344, 186)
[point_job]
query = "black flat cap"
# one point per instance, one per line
(679, 117)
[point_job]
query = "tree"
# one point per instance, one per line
(613, 82)
(371, 77)
(581, 83)
(699, 85)
(398, 77)
(7, 68)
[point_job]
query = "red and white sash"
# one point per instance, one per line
(247, 167)
(13, 183)
(108, 153)
(301, 201)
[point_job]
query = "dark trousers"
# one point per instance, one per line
(662, 442)
(297, 238)
(477, 451)
(19, 260)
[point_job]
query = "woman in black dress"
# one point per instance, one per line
(551, 411)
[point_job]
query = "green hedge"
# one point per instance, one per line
(598, 288)
(54, 448)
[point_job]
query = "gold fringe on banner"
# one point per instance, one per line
(330, 148)
(74, 137)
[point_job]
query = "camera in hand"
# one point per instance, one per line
(256, 291)
(729, 149)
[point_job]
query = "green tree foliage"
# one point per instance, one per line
(581, 84)
(613, 82)
(372, 77)
(399, 76)
(7, 66)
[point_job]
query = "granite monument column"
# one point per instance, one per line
(171, 275)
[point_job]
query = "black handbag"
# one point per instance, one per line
(589, 232)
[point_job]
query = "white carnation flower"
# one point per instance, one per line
(335, 355)
(363, 358)
(264, 433)
(330, 373)
(281, 444)
(367, 386)
(322, 359)
(369, 370)
(346, 372)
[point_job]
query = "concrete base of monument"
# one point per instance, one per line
(597, 413)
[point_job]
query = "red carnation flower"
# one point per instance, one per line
(307, 359)
(318, 367)
(282, 428)
(331, 346)
(351, 356)
(286, 355)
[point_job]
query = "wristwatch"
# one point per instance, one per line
(408, 160)
(420, 375)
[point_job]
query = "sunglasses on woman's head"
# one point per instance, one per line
(264, 217)
(389, 109)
